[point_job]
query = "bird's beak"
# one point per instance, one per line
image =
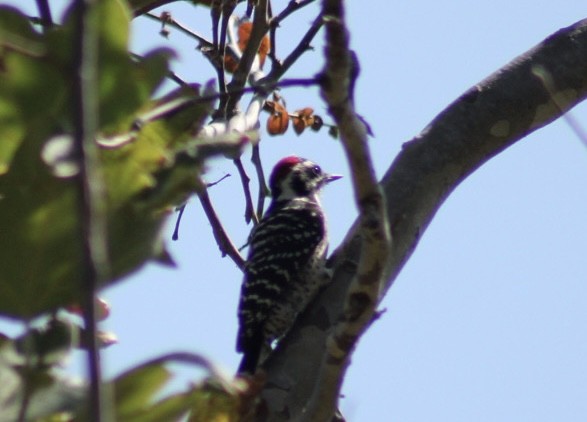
(331, 177)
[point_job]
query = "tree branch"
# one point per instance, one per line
(90, 183)
(45, 14)
(167, 19)
(142, 10)
(363, 293)
(263, 188)
(275, 21)
(250, 213)
(484, 121)
(304, 45)
(241, 74)
(291, 7)
(224, 243)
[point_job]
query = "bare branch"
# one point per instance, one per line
(224, 243)
(279, 69)
(180, 210)
(228, 7)
(363, 293)
(484, 121)
(263, 189)
(241, 74)
(291, 7)
(46, 19)
(215, 13)
(169, 20)
(150, 6)
(90, 183)
(250, 213)
(229, 34)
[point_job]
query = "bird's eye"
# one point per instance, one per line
(316, 170)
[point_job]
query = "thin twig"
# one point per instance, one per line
(275, 21)
(209, 185)
(241, 74)
(168, 20)
(224, 243)
(215, 13)
(214, 54)
(180, 209)
(265, 86)
(228, 7)
(45, 14)
(272, 39)
(208, 48)
(220, 49)
(150, 6)
(91, 203)
(291, 7)
(302, 47)
(250, 213)
(278, 69)
(170, 74)
(26, 374)
(177, 79)
(263, 189)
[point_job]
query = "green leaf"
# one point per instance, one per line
(214, 404)
(38, 245)
(26, 369)
(134, 390)
(16, 30)
(207, 401)
(39, 204)
(30, 92)
(48, 345)
(171, 408)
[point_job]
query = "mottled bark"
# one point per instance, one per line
(488, 118)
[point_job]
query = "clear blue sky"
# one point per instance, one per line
(487, 320)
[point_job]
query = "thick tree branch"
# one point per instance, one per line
(363, 293)
(487, 119)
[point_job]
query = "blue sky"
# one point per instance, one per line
(487, 320)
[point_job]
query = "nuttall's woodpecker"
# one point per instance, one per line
(285, 265)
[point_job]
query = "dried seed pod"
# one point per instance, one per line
(244, 34)
(303, 118)
(278, 121)
(317, 123)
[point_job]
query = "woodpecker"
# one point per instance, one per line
(285, 264)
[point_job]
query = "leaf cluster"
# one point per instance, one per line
(148, 154)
